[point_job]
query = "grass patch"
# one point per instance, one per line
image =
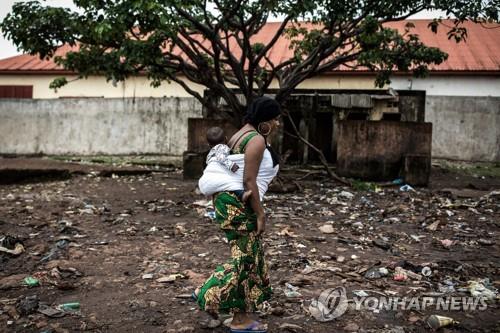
(359, 185)
(135, 160)
(479, 169)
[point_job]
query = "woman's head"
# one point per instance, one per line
(263, 114)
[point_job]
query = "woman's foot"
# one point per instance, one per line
(195, 294)
(243, 322)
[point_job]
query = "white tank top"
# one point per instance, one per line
(216, 178)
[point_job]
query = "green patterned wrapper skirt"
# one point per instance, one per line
(242, 283)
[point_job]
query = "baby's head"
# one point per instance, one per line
(215, 136)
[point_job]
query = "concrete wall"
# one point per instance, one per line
(375, 150)
(465, 112)
(465, 128)
(94, 126)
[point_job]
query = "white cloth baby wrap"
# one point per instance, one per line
(216, 178)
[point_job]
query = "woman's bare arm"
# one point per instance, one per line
(253, 157)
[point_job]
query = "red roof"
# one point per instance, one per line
(26, 63)
(479, 53)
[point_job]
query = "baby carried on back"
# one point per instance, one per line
(224, 172)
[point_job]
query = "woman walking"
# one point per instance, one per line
(241, 284)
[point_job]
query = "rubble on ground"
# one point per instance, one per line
(116, 253)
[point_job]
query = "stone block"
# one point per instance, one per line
(193, 164)
(417, 169)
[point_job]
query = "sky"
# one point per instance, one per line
(7, 49)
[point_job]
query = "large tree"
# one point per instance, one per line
(213, 42)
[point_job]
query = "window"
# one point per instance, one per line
(16, 91)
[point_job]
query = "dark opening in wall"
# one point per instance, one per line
(16, 91)
(392, 116)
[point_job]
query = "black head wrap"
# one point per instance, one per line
(262, 109)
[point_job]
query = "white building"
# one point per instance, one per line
(462, 101)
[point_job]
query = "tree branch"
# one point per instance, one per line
(321, 156)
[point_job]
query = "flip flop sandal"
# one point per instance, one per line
(252, 328)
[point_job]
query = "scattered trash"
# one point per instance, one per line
(485, 242)
(31, 281)
(358, 225)
(60, 272)
(210, 214)
(100, 243)
(291, 291)
(401, 274)
(72, 306)
(381, 244)
(417, 238)
(346, 195)
(435, 322)
(447, 287)
(56, 250)
(322, 237)
(447, 243)
(433, 226)
(27, 305)
(398, 181)
(180, 229)
(319, 267)
(171, 278)
(291, 327)
(203, 203)
(287, 232)
(11, 245)
(210, 323)
(376, 273)
(327, 229)
(406, 188)
(49, 311)
(426, 271)
(479, 289)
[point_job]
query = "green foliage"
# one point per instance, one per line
(359, 185)
(58, 83)
(386, 50)
(212, 43)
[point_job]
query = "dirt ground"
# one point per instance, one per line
(130, 247)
